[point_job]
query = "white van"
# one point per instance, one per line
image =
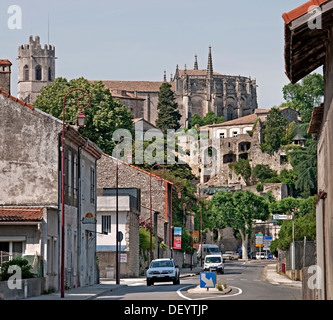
(208, 249)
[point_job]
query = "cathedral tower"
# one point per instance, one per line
(36, 69)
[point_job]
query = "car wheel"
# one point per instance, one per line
(149, 282)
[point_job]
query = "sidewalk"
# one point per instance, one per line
(273, 277)
(106, 285)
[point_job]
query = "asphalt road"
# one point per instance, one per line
(245, 279)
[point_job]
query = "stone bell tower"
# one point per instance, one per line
(5, 72)
(36, 69)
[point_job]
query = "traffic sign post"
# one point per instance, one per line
(207, 280)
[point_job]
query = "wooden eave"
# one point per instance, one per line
(305, 48)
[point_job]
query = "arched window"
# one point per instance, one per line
(50, 74)
(38, 73)
(26, 73)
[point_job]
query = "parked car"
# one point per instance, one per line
(261, 255)
(162, 270)
(214, 262)
(230, 255)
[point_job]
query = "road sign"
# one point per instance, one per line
(267, 243)
(207, 280)
(282, 216)
(259, 240)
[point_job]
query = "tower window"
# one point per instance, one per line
(38, 73)
(26, 73)
(50, 74)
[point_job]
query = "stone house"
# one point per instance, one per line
(30, 193)
(308, 46)
(150, 184)
(239, 139)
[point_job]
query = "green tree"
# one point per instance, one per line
(304, 162)
(242, 167)
(196, 120)
(274, 131)
(20, 262)
(305, 95)
(304, 214)
(103, 116)
(238, 211)
(211, 118)
(168, 116)
(263, 172)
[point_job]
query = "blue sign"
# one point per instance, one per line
(207, 279)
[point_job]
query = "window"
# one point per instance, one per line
(222, 136)
(26, 73)
(38, 73)
(50, 74)
(92, 185)
(234, 134)
(106, 224)
(75, 177)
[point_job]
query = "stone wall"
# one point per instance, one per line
(133, 177)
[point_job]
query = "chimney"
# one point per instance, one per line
(5, 73)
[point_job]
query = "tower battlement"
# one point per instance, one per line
(34, 48)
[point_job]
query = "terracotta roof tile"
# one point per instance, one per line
(133, 86)
(17, 100)
(301, 10)
(5, 62)
(251, 119)
(8, 214)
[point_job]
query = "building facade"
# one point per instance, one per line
(30, 193)
(309, 45)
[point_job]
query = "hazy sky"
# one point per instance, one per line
(139, 39)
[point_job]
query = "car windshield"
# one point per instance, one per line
(214, 250)
(213, 260)
(161, 264)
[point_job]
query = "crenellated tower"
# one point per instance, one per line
(36, 69)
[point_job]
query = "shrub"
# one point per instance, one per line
(23, 264)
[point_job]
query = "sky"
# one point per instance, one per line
(140, 39)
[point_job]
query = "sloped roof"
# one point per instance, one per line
(21, 214)
(305, 46)
(134, 86)
(251, 119)
(316, 119)
(201, 72)
(5, 62)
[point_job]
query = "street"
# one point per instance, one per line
(245, 279)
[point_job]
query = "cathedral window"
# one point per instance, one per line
(38, 73)
(26, 73)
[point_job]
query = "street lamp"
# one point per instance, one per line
(117, 206)
(81, 123)
(151, 209)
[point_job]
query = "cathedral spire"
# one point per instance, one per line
(196, 62)
(164, 78)
(210, 64)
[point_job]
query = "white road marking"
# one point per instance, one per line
(240, 291)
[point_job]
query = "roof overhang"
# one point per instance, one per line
(316, 119)
(305, 37)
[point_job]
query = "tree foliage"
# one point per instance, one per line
(305, 95)
(274, 131)
(209, 118)
(168, 116)
(304, 162)
(239, 210)
(304, 214)
(243, 168)
(103, 116)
